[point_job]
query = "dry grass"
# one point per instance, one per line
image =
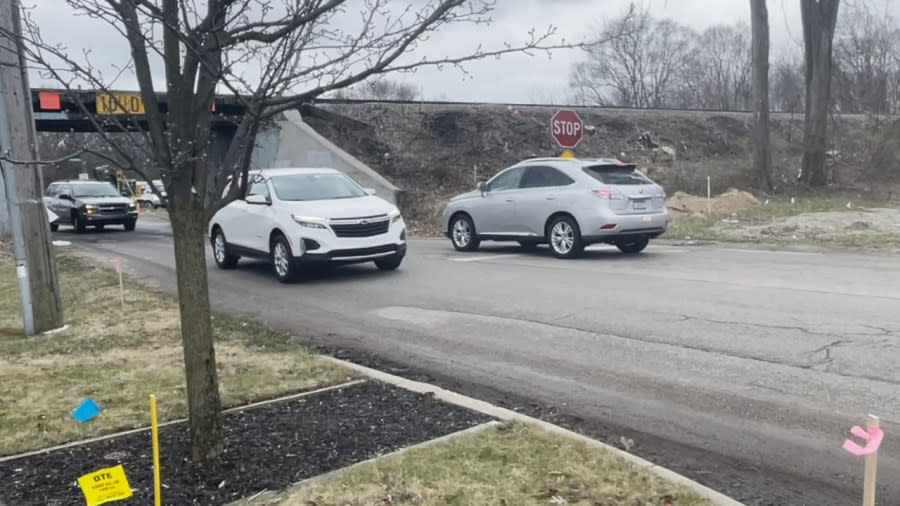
(515, 464)
(118, 359)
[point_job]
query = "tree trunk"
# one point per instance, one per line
(762, 156)
(819, 20)
(204, 403)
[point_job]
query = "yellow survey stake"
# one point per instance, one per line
(105, 485)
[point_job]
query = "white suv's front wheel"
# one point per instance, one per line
(390, 263)
(283, 260)
(224, 259)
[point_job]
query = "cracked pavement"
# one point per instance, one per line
(741, 368)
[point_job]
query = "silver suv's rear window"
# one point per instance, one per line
(625, 174)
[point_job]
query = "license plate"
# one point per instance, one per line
(639, 204)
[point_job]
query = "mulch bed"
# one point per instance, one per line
(266, 448)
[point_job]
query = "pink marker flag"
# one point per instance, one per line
(873, 437)
(118, 265)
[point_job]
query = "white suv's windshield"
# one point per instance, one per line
(94, 190)
(300, 187)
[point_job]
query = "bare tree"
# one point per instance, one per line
(272, 56)
(718, 73)
(866, 46)
(379, 89)
(640, 65)
(787, 90)
(762, 155)
(819, 21)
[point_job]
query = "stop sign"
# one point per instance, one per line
(566, 127)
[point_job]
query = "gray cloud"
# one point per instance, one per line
(517, 78)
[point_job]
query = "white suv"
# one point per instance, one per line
(297, 216)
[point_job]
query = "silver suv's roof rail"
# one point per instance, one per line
(549, 159)
(608, 161)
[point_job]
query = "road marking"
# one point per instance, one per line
(771, 252)
(483, 258)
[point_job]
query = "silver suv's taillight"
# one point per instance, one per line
(608, 193)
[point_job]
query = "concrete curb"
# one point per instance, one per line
(337, 472)
(506, 414)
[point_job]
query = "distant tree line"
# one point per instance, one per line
(660, 63)
(378, 89)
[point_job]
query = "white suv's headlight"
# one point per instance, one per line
(310, 222)
(395, 215)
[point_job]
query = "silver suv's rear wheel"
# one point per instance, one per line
(565, 237)
(462, 233)
(632, 246)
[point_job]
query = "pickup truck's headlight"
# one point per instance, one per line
(310, 222)
(395, 215)
(132, 206)
(90, 208)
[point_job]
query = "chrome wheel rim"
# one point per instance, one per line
(462, 234)
(562, 237)
(219, 248)
(281, 259)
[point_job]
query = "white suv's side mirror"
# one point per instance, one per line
(369, 191)
(259, 200)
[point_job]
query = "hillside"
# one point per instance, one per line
(433, 151)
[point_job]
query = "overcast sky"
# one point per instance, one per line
(516, 78)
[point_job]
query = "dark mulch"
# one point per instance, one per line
(267, 448)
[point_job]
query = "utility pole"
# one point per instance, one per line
(35, 264)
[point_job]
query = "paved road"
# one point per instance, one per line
(741, 368)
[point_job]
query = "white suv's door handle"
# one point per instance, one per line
(551, 197)
(510, 200)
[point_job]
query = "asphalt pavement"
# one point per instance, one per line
(741, 368)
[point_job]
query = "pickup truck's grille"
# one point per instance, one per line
(112, 208)
(362, 228)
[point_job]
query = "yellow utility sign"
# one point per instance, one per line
(105, 485)
(120, 103)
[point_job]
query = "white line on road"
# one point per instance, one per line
(771, 252)
(483, 258)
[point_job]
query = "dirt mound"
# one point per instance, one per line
(684, 204)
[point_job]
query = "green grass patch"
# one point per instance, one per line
(120, 358)
(513, 464)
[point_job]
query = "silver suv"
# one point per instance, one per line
(566, 203)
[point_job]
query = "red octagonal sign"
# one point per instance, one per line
(567, 128)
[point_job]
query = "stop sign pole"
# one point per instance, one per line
(566, 128)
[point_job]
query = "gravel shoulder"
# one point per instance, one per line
(818, 221)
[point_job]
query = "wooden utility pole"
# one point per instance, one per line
(35, 264)
(762, 156)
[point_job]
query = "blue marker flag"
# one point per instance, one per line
(86, 411)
